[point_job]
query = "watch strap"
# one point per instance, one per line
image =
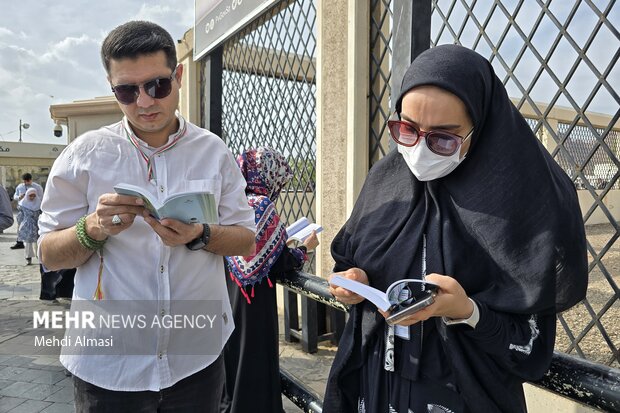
(471, 321)
(201, 241)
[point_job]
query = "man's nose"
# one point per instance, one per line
(144, 100)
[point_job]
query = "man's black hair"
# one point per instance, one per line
(26, 177)
(136, 38)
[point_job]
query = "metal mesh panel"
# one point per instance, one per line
(380, 73)
(558, 62)
(268, 90)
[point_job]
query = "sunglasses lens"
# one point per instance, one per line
(158, 88)
(442, 144)
(403, 133)
(126, 94)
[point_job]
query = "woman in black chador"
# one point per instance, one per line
(472, 202)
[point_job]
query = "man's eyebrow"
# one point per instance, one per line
(448, 126)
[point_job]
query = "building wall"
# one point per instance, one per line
(17, 158)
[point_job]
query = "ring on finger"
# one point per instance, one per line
(116, 220)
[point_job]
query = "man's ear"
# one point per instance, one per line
(179, 73)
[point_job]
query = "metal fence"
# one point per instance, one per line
(558, 61)
(268, 97)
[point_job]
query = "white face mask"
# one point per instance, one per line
(427, 165)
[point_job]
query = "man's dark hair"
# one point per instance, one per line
(136, 38)
(26, 177)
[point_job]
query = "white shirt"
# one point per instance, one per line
(137, 265)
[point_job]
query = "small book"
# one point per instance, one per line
(401, 293)
(188, 207)
(302, 229)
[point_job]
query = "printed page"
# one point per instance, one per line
(301, 229)
(304, 233)
(150, 202)
(415, 286)
(195, 207)
(296, 226)
(377, 297)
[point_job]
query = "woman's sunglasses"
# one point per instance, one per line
(439, 142)
(156, 88)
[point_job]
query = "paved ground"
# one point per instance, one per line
(37, 383)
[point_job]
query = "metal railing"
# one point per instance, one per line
(582, 381)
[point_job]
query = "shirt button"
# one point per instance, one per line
(161, 269)
(161, 188)
(161, 356)
(163, 311)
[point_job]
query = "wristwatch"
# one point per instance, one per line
(472, 321)
(202, 241)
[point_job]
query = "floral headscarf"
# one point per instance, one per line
(266, 172)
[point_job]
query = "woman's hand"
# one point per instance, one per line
(451, 301)
(311, 242)
(342, 294)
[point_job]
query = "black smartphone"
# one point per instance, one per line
(401, 312)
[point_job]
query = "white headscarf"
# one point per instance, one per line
(34, 204)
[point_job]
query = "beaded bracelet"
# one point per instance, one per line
(84, 239)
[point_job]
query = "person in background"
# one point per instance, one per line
(125, 257)
(29, 209)
(251, 355)
(470, 201)
(6, 210)
(19, 194)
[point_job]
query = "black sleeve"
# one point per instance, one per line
(522, 344)
(287, 261)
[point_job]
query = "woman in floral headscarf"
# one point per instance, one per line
(251, 354)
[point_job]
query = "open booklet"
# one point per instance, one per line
(188, 207)
(397, 294)
(302, 229)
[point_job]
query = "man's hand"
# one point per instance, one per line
(342, 294)
(99, 224)
(173, 232)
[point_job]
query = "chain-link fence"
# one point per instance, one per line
(561, 55)
(268, 97)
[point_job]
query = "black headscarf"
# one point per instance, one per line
(505, 223)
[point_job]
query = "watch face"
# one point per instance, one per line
(196, 245)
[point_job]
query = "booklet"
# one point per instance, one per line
(188, 207)
(302, 229)
(401, 293)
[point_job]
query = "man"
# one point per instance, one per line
(20, 192)
(6, 211)
(123, 254)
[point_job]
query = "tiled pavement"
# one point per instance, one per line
(37, 383)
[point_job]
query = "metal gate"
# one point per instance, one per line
(558, 61)
(268, 97)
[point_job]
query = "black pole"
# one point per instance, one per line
(213, 92)
(420, 27)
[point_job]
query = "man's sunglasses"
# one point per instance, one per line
(156, 88)
(439, 142)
